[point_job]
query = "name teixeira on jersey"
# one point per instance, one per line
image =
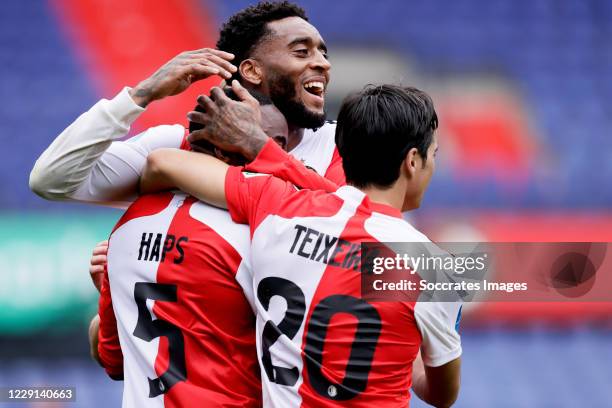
(317, 246)
(151, 249)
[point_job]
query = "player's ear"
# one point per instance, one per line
(251, 71)
(412, 162)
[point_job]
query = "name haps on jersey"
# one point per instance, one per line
(345, 254)
(152, 250)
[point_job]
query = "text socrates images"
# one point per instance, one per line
(478, 271)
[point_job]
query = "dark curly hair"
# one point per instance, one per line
(246, 29)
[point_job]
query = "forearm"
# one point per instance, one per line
(200, 175)
(271, 159)
(419, 379)
(437, 386)
(67, 163)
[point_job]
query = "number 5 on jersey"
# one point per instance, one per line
(148, 329)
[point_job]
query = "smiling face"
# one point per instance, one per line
(295, 70)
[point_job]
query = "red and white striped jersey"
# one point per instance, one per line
(178, 281)
(319, 343)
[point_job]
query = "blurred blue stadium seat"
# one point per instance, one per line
(43, 89)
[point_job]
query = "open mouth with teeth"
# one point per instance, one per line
(315, 87)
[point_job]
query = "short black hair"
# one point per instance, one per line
(377, 127)
(205, 145)
(245, 29)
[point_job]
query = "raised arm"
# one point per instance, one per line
(67, 164)
(84, 163)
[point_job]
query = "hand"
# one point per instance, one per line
(98, 263)
(180, 72)
(233, 126)
(94, 329)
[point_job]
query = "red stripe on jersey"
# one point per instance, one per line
(397, 345)
(146, 205)
(109, 349)
(216, 320)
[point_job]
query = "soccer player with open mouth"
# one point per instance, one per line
(269, 48)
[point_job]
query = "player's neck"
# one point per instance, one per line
(392, 196)
(295, 137)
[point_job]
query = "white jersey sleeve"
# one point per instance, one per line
(86, 163)
(438, 323)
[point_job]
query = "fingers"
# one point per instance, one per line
(247, 98)
(96, 269)
(101, 248)
(199, 71)
(203, 69)
(221, 54)
(198, 117)
(98, 263)
(205, 102)
(202, 118)
(213, 60)
(198, 135)
(98, 259)
(218, 96)
(242, 93)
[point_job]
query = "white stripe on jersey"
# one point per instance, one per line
(287, 352)
(237, 235)
(124, 272)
